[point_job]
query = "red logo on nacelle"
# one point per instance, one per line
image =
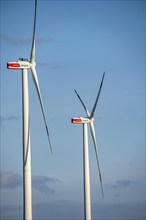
(13, 65)
(76, 120)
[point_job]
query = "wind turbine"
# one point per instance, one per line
(25, 64)
(85, 121)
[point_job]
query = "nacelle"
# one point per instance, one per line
(19, 65)
(80, 120)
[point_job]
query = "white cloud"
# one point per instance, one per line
(10, 180)
(121, 184)
(40, 183)
(19, 42)
(8, 118)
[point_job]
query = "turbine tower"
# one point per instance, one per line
(25, 64)
(85, 121)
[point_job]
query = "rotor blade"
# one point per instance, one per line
(35, 79)
(94, 107)
(86, 110)
(32, 55)
(96, 153)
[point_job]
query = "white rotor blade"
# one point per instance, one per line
(35, 79)
(86, 110)
(32, 55)
(94, 107)
(96, 153)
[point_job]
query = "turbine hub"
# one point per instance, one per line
(92, 119)
(33, 63)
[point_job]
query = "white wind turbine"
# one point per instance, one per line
(88, 120)
(24, 65)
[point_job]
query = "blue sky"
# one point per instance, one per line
(76, 42)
